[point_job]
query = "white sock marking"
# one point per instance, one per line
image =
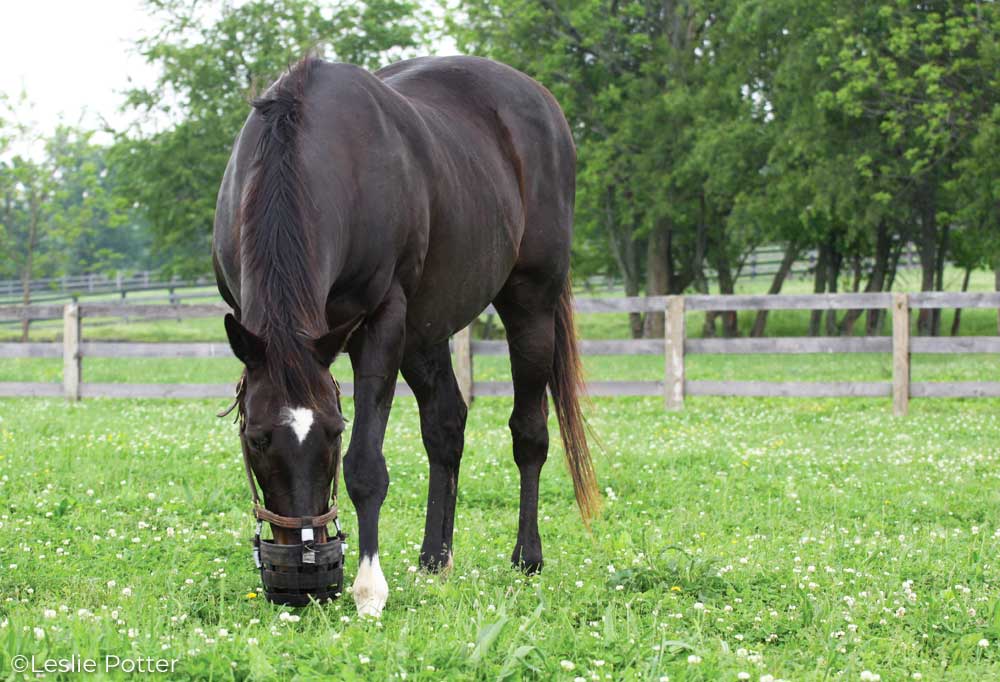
(370, 588)
(301, 420)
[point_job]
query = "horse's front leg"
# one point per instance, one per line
(376, 352)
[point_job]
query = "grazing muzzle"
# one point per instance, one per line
(306, 571)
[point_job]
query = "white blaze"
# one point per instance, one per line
(301, 420)
(370, 588)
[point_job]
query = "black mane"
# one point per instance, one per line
(275, 242)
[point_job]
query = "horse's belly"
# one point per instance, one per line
(462, 273)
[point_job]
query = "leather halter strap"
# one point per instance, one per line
(295, 522)
(260, 512)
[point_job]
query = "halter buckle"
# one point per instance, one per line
(256, 544)
(308, 550)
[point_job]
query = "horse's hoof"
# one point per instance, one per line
(370, 588)
(436, 562)
(525, 562)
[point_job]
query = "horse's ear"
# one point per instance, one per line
(328, 346)
(246, 345)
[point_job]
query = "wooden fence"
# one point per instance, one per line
(672, 385)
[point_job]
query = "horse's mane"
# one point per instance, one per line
(275, 241)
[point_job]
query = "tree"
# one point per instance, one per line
(634, 79)
(923, 73)
(213, 59)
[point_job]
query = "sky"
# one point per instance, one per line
(74, 58)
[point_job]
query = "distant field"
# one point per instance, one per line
(599, 326)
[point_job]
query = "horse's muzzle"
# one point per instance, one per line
(295, 575)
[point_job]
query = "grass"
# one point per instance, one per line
(740, 539)
(809, 539)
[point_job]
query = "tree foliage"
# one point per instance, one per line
(708, 128)
(213, 59)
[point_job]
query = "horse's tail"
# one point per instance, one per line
(566, 387)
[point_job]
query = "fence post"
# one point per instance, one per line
(71, 351)
(673, 353)
(463, 362)
(900, 354)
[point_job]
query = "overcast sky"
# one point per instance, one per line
(72, 57)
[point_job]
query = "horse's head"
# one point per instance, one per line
(292, 423)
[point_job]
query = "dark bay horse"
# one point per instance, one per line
(381, 213)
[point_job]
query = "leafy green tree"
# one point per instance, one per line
(670, 133)
(923, 74)
(213, 58)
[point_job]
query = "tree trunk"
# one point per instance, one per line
(657, 277)
(957, 321)
(701, 280)
(883, 247)
(819, 286)
(928, 259)
(836, 260)
(727, 285)
(939, 275)
(787, 262)
(877, 326)
(28, 264)
(623, 248)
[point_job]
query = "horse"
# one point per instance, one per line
(379, 213)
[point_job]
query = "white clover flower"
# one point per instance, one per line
(364, 660)
(694, 659)
(869, 676)
(567, 665)
(49, 614)
(984, 643)
(743, 675)
(39, 633)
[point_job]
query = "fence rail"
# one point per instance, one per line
(73, 286)
(673, 385)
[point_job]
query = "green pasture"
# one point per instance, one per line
(741, 539)
(796, 540)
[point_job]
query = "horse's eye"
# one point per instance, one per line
(259, 442)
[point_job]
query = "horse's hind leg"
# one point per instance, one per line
(442, 425)
(527, 309)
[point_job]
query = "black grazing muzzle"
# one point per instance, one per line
(307, 571)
